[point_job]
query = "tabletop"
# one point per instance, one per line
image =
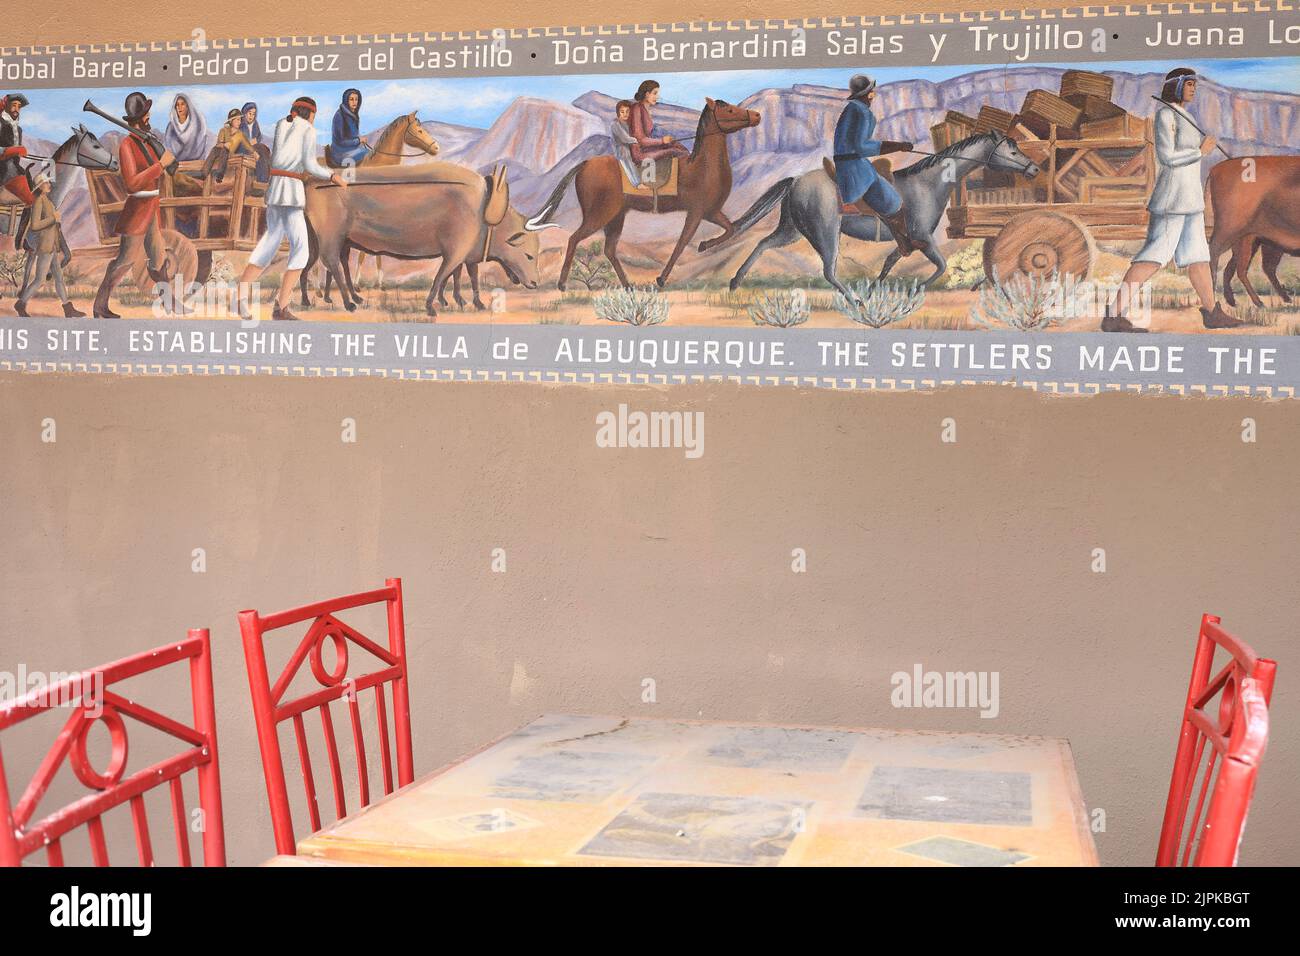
(585, 790)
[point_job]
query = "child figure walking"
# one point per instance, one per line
(43, 253)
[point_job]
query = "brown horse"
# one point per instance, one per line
(703, 185)
(1254, 202)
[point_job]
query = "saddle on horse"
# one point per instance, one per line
(897, 223)
(662, 183)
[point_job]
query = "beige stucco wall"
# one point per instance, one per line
(631, 564)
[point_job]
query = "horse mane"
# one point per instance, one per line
(948, 151)
(699, 129)
(396, 129)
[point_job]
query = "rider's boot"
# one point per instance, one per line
(898, 228)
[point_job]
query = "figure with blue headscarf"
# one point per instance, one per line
(253, 132)
(347, 146)
(251, 127)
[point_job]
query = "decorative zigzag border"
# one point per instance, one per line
(641, 378)
(1029, 15)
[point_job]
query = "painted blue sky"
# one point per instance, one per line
(477, 102)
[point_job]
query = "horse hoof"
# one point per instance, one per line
(1286, 298)
(350, 306)
(560, 286)
(704, 246)
(733, 285)
(659, 281)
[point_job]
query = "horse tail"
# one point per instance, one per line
(542, 218)
(762, 206)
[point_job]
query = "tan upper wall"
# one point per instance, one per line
(61, 21)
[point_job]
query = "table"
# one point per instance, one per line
(585, 790)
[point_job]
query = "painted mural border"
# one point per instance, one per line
(481, 375)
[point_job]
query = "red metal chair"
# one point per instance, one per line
(270, 707)
(89, 699)
(1237, 737)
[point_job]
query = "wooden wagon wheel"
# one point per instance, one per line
(1040, 243)
(183, 260)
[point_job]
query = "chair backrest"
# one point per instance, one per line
(271, 708)
(88, 697)
(1237, 734)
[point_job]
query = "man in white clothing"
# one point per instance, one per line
(1176, 229)
(293, 160)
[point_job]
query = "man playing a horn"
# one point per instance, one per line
(139, 224)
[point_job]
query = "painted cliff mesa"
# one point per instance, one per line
(1027, 198)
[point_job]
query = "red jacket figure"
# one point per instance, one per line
(141, 173)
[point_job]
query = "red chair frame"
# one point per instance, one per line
(23, 836)
(1237, 737)
(271, 709)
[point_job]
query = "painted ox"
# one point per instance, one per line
(428, 211)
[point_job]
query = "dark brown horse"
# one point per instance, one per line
(1254, 202)
(703, 185)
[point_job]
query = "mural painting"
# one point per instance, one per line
(1124, 198)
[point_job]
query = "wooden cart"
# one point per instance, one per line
(200, 216)
(1088, 189)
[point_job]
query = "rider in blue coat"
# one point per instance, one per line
(347, 148)
(861, 186)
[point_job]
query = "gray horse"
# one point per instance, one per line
(810, 206)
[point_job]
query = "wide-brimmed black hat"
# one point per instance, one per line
(860, 85)
(137, 106)
(15, 96)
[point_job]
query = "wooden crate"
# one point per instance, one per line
(1041, 109)
(1032, 127)
(1088, 83)
(1094, 107)
(1124, 126)
(992, 118)
(953, 128)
